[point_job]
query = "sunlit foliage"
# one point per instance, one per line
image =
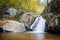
(27, 5)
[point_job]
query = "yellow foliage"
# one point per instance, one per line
(40, 9)
(27, 5)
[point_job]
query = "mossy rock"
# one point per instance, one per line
(52, 19)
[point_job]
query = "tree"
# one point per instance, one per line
(3, 7)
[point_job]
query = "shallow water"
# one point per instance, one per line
(29, 36)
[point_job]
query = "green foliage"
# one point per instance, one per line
(1, 3)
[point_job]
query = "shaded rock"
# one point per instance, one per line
(52, 16)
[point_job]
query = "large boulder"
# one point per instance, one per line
(27, 18)
(52, 16)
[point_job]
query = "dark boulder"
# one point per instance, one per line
(52, 16)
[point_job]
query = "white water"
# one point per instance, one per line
(40, 27)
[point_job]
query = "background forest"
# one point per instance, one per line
(28, 5)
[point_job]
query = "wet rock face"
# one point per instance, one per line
(52, 19)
